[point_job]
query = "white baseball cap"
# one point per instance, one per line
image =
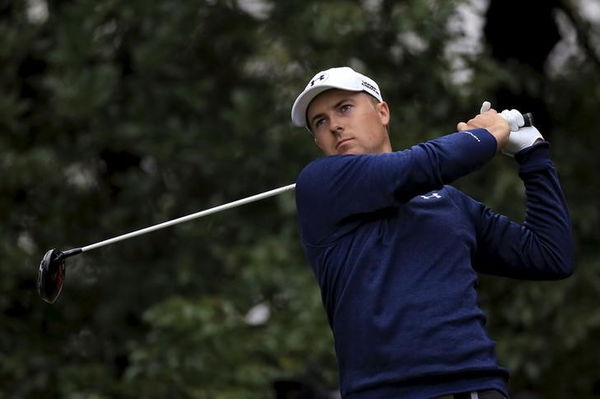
(344, 78)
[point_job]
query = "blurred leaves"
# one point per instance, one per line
(118, 115)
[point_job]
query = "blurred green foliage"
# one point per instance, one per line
(118, 115)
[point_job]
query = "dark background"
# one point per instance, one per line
(115, 115)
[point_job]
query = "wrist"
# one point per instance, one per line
(533, 151)
(521, 139)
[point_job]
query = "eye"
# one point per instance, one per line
(319, 122)
(345, 107)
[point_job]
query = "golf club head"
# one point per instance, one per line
(51, 276)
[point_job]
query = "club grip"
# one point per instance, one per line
(528, 117)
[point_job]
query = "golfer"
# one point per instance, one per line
(397, 251)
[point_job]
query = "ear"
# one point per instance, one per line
(383, 110)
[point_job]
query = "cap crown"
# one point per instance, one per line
(344, 78)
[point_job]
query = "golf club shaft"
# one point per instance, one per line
(187, 218)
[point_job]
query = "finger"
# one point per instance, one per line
(485, 107)
(519, 118)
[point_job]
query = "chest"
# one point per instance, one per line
(428, 220)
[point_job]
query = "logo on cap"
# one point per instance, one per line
(320, 78)
(370, 86)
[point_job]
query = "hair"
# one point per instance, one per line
(374, 99)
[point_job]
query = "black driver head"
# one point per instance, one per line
(51, 276)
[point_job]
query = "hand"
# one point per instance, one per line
(492, 121)
(523, 138)
(520, 137)
(514, 118)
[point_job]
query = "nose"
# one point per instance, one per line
(335, 125)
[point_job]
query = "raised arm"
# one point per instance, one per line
(332, 191)
(541, 248)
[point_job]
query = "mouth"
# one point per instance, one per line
(342, 142)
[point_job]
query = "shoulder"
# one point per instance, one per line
(312, 172)
(314, 166)
(323, 168)
(337, 164)
(313, 179)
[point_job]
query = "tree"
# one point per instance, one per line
(119, 115)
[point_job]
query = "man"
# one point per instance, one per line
(396, 251)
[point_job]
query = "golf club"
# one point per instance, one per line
(51, 275)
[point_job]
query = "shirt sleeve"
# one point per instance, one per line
(334, 192)
(541, 248)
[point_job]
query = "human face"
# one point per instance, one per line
(348, 122)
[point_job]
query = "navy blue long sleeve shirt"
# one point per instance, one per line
(396, 253)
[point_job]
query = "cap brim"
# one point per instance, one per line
(303, 101)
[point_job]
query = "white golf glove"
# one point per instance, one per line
(520, 137)
(514, 118)
(523, 138)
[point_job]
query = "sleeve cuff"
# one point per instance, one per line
(534, 158)
(485, 137)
